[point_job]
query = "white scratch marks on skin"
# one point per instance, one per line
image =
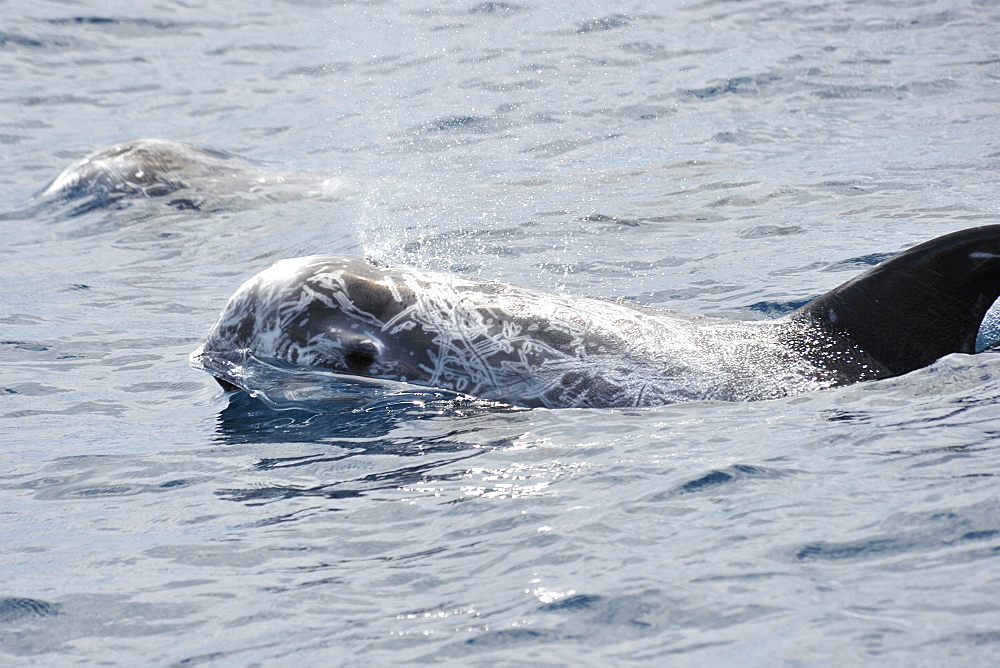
(501, 342)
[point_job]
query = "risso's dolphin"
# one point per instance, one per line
(181, 176)
(526, 347)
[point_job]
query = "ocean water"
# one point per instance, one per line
(733, 159)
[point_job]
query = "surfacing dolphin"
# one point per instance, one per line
(526, 347)
(181, 176)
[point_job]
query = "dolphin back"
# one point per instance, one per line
(915, 307)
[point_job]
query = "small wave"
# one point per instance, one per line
(14, 609)
(282, 386)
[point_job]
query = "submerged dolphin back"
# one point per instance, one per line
(180, 176)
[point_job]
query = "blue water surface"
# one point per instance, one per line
(734, 159)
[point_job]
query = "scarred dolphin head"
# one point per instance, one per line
(334, 313)
(342, 317)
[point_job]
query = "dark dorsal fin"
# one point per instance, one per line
(917, 306)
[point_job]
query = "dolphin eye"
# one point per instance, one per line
(359, 359)
(361, 355)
